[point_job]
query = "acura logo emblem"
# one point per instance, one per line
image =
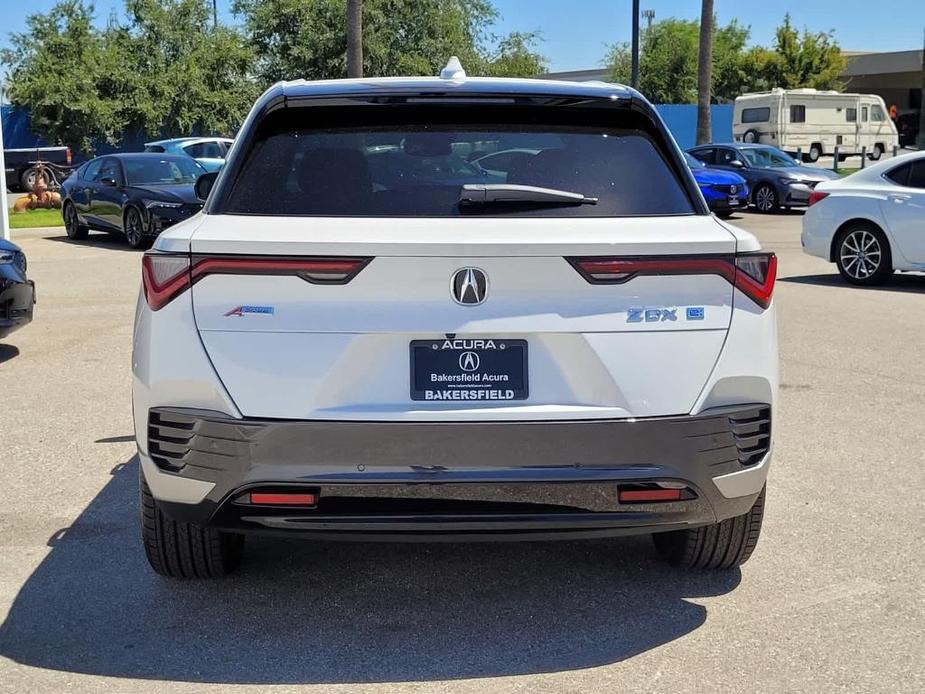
(469, 286)
(469, 361)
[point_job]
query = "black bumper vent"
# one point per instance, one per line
(181, 439)
(169, 438)
(752, 434)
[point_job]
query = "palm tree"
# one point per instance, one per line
(354, 38)
(705, 74)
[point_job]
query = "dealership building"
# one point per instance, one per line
(895, 76)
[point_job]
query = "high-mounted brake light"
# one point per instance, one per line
(816, 196)
(754, 274)
(166, 275)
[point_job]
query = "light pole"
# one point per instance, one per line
(4, 206)
(920, 140)
(634, 79)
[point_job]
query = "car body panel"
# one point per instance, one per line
(17, 291)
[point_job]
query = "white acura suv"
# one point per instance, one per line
(366, 335)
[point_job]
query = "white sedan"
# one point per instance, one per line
(870, 223)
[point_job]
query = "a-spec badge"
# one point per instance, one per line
(239, 311)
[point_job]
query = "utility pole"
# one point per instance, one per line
(214, 14)
(705, 74)
(354, 38)
(920, 140)
(634, 80)
(4, 206)
(649, 15)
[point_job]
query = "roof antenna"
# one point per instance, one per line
(453, 70)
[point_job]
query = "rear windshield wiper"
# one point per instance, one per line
(506, 193)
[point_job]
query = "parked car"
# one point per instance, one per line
(17, 291)
(138, 195)
(724, 191)
(815, 122)
(579, 351)
(208, 151)
(871, 222)
(20, 166)
(774, 178)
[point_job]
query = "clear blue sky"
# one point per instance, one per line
(576, 32)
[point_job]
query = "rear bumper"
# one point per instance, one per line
(462, 480)
(17, 299)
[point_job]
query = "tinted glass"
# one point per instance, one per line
(693, 162)
(917, 176)
(797, 114)
(707, 156)
(864, 114)
(110, 169)
(900, 174)
(92, 169)
(851, 115)
(417, 167)
(763, 157)
(205, 150)
(756, 115)
(154, 148)
(157, 171)
(877, 115)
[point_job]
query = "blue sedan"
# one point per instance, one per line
(724, 191)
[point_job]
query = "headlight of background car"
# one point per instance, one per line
(789, 181)
(155, 204)
(7, 257)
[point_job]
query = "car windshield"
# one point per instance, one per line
(693, 162)
(157, 171)
(765, 157)
(417, 165)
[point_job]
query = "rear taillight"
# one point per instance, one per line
(753, 274)
(816, 196)
(67, 155)
(165, 275)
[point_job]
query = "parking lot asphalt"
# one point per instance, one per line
(832, 599)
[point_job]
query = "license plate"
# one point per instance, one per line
(733, 201)
(469, 369)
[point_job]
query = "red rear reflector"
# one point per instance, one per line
(643, 495)
(163, 276)
(283, 499)
(816, 196)
(754, 274)
(68, 156)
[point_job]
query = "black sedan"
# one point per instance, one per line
(138, 195)
(17, 292)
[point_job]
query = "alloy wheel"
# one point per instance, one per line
(861, 254)
(133, 230)
(70, 221)
(765, 199)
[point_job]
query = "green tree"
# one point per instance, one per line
(183, 75)
(810, 59)
(57, 69)
(668, 65)
(306, 38)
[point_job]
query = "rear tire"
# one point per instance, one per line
(182, 550)
(876, 153)
(30, 177)
(815, 151)
(135, 229)
(751, 136)
(862, 255)
(723, 545)
(72, 226)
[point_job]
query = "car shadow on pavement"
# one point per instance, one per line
(8, 352)
(914, 283)
(97, 239)
(303, 612)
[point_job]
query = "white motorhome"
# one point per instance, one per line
(815, 122)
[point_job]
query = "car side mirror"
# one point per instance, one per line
(108, 181)
(204, 185)
(737, 164)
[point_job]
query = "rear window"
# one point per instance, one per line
(756, 115)
(413, 161)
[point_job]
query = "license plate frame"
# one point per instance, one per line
(498, 371)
